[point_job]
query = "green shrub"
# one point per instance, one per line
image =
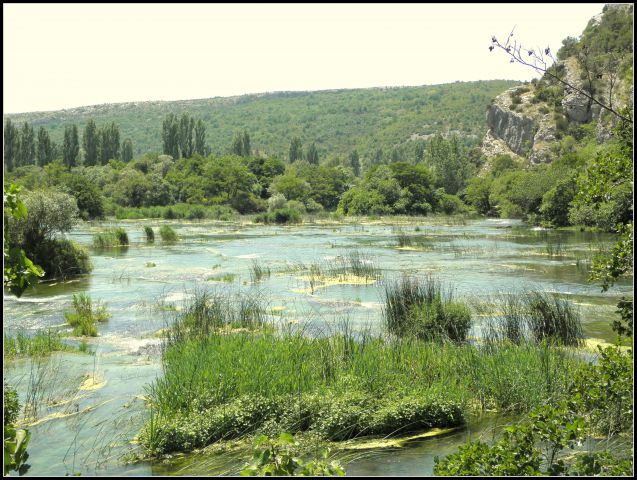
(345, 417)
(599, 401)
(606, 389)
(167, 234)
(557, 202)
(62, 258)
(451, 204)
(416, 413)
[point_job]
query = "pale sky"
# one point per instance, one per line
(67, 55)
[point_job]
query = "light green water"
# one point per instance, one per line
(479, 258)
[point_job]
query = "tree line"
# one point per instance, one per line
(98, 145)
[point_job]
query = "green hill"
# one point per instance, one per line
(337, 120)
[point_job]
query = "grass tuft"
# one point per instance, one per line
(85, 315)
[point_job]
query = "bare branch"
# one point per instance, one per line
(539, 64)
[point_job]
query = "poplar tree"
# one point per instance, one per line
(70, 147)
(90, 143)
(186, 126)
(44, 148)
(26, 151)
(296, 149)
(200, 137)
(109, 143)
(127, 150)
(11, 145)
(355, 163)
(170, 136)
(237, 145)
(312, 154)
(247, 150)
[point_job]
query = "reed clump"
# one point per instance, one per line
(150, 234)
(167, 234)
(209, 311)
(258, 272)
(533, 316)
(114, 237)
(85, 315)
(424, 308)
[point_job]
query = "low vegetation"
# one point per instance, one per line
(16, 440)
(597, 401)
(167, 234)
(277, 458)
(85, 315)
(258, 272)
(532, 316)
(40, 344)
(425, 308)
(150, 234)
(114, 237)
(336, 386)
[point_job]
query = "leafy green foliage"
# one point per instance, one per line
(275, 458)
(557, 201)
(16, 440)
(600, 400)
(399, 188)
(19, 271)
(11, 404)
(606, 390)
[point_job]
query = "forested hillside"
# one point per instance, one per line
(338, 121)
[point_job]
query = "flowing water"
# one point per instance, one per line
(87, 408)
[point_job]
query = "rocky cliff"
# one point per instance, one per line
(528, 120)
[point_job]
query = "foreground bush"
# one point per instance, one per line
(543, 443)
(276, 458)
(11, 404)
(50, 213)
(62, 258)
(16, 440)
